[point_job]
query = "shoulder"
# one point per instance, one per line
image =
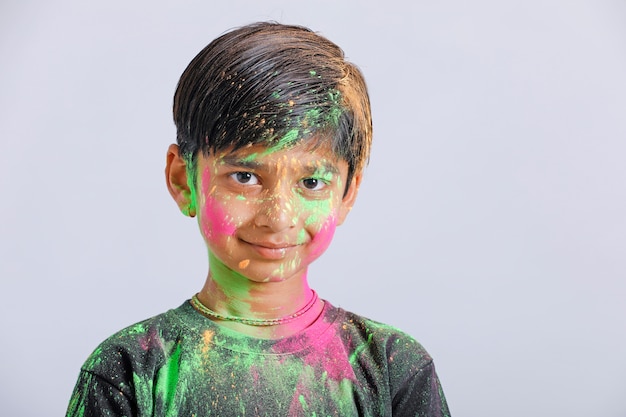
(390, 354)
(389, 337)
(121, 369)
(392, 348)
(141, 345)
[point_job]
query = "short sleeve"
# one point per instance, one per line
(95, 397)
(421, 395)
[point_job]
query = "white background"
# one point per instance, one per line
(491, 224)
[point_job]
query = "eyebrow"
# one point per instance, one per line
(324, 167)
(245, 162)
(249, 163)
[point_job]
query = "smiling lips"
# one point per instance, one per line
(272, 251)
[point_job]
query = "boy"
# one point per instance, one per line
(273, 132)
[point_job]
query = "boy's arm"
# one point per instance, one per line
(93, 396)
(421, 395)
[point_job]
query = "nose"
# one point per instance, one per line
(276, 212)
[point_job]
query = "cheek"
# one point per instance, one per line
(215, 221)
(322, 238)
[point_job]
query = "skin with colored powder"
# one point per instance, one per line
(273, 133)
(265, 215)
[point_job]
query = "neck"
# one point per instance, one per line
(229, 293)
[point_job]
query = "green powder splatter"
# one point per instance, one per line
(250, 157)
(168, 376)
(354, 356)
(301, 236)
(191, 183)
(143, 393)
(319, 209)
(289, 138)
(94, 359)
(303, 402)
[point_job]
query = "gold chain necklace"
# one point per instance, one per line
(204, 310)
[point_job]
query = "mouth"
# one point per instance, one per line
(271, 250)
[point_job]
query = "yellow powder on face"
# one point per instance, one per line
(244, 264)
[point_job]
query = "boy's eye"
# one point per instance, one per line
(247, 178)
(313, 184)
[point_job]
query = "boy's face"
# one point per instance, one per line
(267, 214)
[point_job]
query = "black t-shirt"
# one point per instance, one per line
(180, 363)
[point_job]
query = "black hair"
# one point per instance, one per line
(276, 85)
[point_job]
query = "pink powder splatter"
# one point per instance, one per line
(322, 239)
(150, 340)
(215, 220)
(328, 353)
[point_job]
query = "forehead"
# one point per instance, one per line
(302, 156)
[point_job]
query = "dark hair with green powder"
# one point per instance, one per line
(275, 85)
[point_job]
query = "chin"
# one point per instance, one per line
(280, 274)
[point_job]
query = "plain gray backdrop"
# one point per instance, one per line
(491, 224)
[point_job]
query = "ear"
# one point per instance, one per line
(350, 197)
(176, 179)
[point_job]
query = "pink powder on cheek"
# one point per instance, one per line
(215, 221)
(322, 239)
(206, 181)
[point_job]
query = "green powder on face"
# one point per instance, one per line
(310, 220)
(318, 209)
(301, 236)
(326, 176)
